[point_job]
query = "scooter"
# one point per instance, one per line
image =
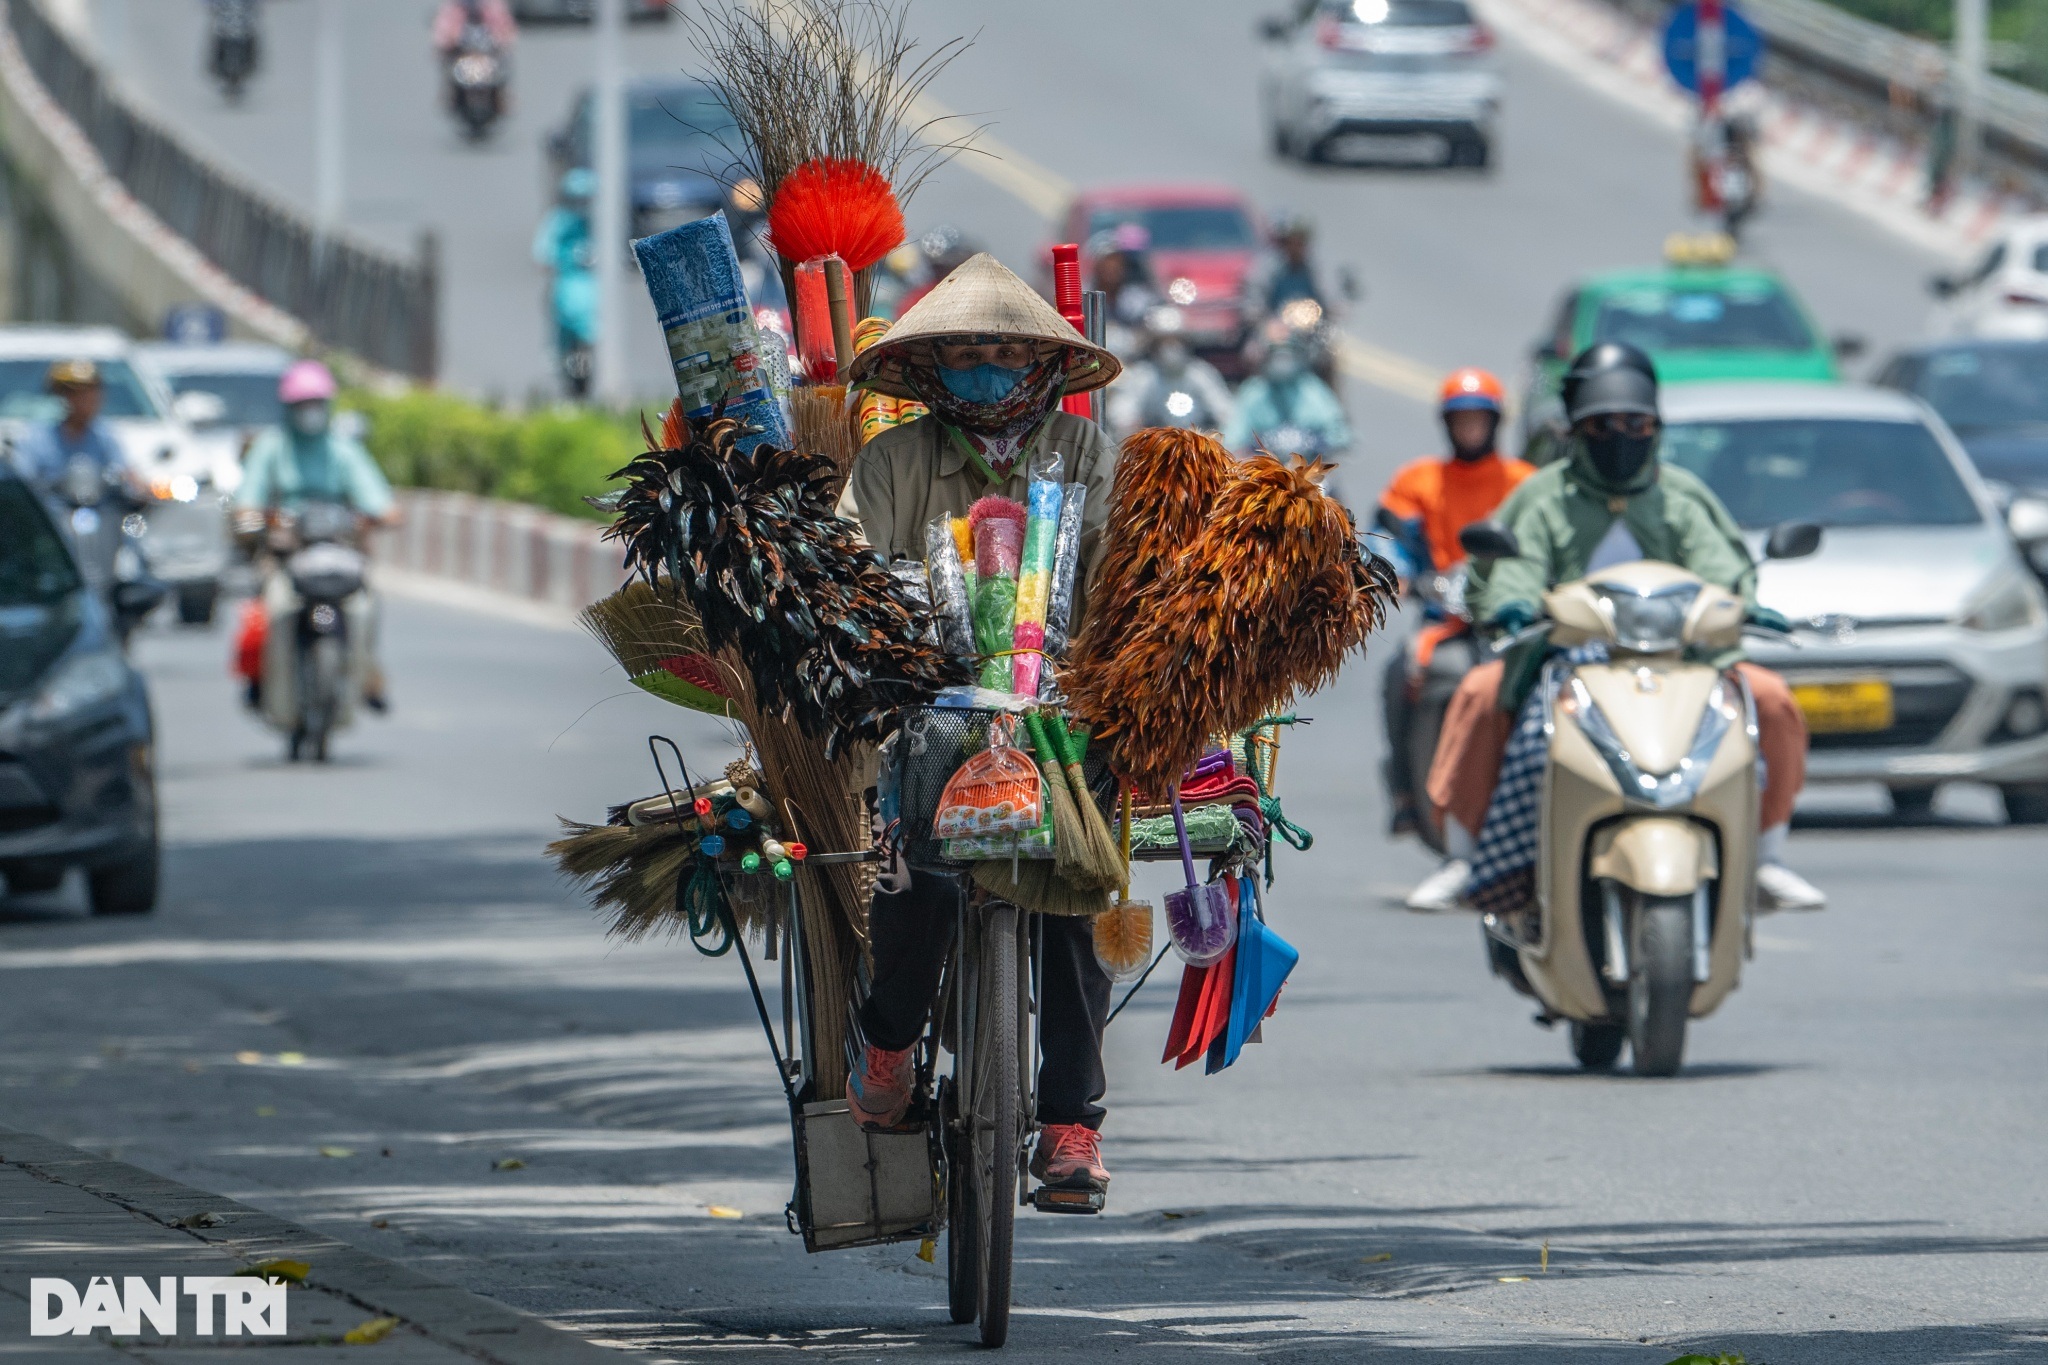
(476, 82)
(105, 519)
(1420, 684)
(234, 53)
(316, 636)
(1645, 883)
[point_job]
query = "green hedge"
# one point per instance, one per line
(2020, 24)
(550, 458)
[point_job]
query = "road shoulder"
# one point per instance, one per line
(65, 1212)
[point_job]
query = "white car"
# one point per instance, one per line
(228, 389)
(1381, 80)
(2005, 294)
(189, 472)
(1922, 639)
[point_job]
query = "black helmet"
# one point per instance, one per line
(1609, 376)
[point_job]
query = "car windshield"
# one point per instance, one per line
(1987, 386)
(34, 569)
(1743, 317)
(1400, 13)
(679, 116)
(251, 399)
(1183, 227)
(1834, 471)
(25, 395)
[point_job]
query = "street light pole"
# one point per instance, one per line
(1972, 22)
(608, 212)
(330, 112)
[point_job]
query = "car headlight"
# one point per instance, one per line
(1660, 790)
(2011, 602)
(1649, 623)
(80, 684)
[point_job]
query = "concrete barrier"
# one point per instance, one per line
(506, 548)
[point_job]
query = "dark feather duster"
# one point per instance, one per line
(829, 636)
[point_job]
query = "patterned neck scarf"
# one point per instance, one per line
(998, 431)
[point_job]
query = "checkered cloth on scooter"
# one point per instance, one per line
(1504, 863)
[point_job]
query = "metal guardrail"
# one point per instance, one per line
(379, 308)
(1887, 59)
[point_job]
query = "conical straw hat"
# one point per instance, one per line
(980, 296)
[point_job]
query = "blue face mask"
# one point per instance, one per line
(982, 384)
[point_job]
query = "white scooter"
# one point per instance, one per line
(319, 627)
(1646, 877)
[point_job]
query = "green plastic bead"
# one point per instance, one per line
(784, 869)
(750, 862)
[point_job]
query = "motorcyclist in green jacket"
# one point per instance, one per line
(1611, 501)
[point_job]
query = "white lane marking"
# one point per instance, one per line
(543, 949)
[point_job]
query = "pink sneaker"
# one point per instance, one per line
(1070, 1155)
(879, 1093)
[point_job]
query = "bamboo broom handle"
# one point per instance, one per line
(840, 303)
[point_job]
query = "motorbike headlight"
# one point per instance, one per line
(82, 683)
(1649, 623)
(1659, 790)
(1183, 291)
(1180, 404)
(2012, 601)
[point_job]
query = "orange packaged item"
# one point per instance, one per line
(997, 791)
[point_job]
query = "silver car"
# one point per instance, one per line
(1381, 80)
(1922, 639)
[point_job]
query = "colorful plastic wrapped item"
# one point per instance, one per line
(1201, 920)
(877, 411)
(1059, 613)
(1123, 939)
(995, 792)
(1035, 574)
(693, 276)
(998, 549)
(814, 323)
(949, 593)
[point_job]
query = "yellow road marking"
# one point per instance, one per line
(1047, 193)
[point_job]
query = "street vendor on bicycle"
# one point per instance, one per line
(991, 360)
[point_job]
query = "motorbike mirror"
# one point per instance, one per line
(1848, 346)
(1489, 540)
(1347, 281)
(1941, 286)
(137, 598)
(1272, 29)
(1792, 540)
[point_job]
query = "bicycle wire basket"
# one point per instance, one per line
(929, 748)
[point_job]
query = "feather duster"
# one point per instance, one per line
(829, 637)
(835, 206)
(1165, 479)
(1264, 602)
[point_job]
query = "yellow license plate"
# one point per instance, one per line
(1858, 706)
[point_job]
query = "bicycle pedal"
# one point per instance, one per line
(1056, 1199)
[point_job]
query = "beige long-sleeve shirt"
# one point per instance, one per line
(910, 474)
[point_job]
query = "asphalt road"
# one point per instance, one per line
(1846, 1174)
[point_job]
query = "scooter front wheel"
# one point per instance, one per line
(1660, 985)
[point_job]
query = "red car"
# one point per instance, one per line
(1202, 242)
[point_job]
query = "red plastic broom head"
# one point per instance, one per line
(835, 206)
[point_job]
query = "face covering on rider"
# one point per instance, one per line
(1469, 453)
(982, 384)
(309, 419)
(1283, 369)
(1171, 356)
(1619, 459)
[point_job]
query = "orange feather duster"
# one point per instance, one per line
(1263, 602)
(835, 206)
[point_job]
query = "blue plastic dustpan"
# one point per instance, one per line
(1263, 961)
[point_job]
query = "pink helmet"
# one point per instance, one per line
(307, 381)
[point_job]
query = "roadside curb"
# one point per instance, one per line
(519, 554)
(1872, 173)
(449, 1317)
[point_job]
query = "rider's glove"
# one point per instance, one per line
(1769, 620)
(1511, 617)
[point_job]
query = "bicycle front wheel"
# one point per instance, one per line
(992, 1104)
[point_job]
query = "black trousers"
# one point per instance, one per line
(910, 932)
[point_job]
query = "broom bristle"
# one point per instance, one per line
(835, 206)
(1039, 887)
(818, 414)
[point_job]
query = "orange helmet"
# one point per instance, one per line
(1471, 390)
